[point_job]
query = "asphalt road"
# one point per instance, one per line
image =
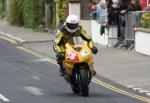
(25, 78)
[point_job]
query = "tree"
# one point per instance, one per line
(61, 4)
(32, 13)
(3, 8)
(15, 13)
(50, 8)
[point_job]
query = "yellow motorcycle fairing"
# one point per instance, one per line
(77, 54)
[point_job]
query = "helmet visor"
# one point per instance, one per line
(72, 26)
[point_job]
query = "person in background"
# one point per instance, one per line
(123, 5)
(110, 12)
(92, 9)
(143, 3)
(134, 6)
(101, 8)
(101, 12)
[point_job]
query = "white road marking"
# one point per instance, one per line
(144, 91)
(148, 94)
(34, 91)
(42, 60)
(35, 77)
(130, 86)
(3, 98)
(137, 89)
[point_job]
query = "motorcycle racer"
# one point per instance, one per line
(70, 29)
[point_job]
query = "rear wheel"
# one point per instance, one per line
(83, 82)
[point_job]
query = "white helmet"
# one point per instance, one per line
(72, 23)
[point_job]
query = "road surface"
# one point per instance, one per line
(25, 78)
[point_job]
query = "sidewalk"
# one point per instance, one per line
(124, 67)
(22, 34)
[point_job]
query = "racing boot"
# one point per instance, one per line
(94, 72)
(62, 71)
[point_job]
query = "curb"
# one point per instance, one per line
(12, 37)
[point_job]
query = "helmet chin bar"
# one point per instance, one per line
(72, 31)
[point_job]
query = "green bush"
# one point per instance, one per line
(15, 16)
(61, 4)
(0, 7)
(145, 20)
(24, 12)
(30, 13)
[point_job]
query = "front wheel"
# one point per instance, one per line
(75, 89)
(83, 82)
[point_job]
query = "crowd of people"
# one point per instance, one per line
(112, 12)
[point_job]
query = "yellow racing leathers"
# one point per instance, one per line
(63, 36)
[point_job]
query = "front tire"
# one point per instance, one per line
(75, 85)
(75, 89)
(83, 82)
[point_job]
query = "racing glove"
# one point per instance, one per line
(60, 55)
(94, 50)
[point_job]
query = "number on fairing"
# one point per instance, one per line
(71, 56)
(85, 53)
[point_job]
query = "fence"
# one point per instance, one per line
(138, 19)
(134, 20)
(130, 23)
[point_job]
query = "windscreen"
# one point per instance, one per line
(77, 40)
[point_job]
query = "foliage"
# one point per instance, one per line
(145, 20)
(61, 4)
(24, 12)
(0, 7)
(15, 13)
(30, 13)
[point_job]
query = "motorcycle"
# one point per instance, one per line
(78, 64)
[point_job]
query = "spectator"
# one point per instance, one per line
(109, 5)
(92, 9)
(134, 6)
(123, 6)
(101, 8)
(143, 3)
(112, 6)
(110, 12)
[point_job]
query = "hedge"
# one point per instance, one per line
(29, 13)
(0, 7)
(61, 4)
(24, 12)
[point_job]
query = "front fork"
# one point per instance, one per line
(75, 76)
